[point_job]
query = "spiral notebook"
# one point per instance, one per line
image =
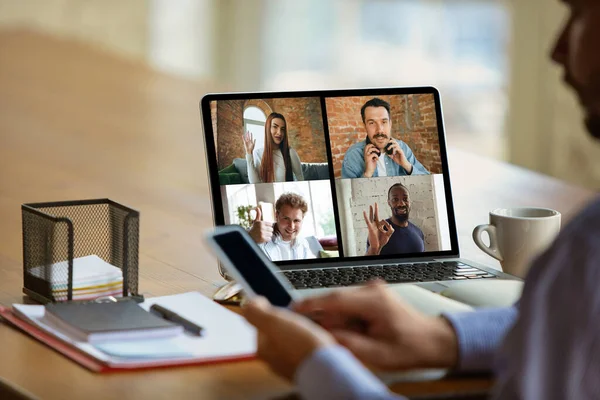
(226, 337)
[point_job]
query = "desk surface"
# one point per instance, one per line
(77, 123)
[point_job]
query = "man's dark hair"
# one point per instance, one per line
(395, 185)
(375, 102)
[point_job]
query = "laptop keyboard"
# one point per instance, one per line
(391, 273)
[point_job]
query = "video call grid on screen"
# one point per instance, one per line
(318, 145)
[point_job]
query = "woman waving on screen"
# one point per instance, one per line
(276, 162)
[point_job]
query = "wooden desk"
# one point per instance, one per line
(76, 123)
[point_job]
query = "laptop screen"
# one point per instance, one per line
(332, 176)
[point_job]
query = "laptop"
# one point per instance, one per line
(339, 187)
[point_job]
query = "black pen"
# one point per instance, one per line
(176, 318)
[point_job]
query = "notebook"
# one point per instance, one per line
(108, 321)
(227, 337)
(337, 165)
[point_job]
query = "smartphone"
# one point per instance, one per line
(248, 265)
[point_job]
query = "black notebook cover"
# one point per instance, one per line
(90, 317)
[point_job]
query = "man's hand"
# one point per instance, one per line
(392, 335)
(261, 231)
(380, 231)
(285, 339)
(249, 142)
(399, 157)
(371, 155)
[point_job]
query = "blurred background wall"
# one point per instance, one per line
(489, 58)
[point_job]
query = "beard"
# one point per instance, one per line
(592, 123)
(589, 97)
(402, 217)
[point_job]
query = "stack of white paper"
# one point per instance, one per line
(92, 278)
(226, 335)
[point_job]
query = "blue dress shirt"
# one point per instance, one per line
(353, 165)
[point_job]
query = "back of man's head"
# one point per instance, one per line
(375, 102)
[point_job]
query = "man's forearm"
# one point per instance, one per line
(334, 373)
(373, 251)
(408, 167)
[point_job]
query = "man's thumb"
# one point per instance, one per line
(257, 311)
(258, 214)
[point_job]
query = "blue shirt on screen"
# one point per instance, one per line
(353, 165)
(408, 239)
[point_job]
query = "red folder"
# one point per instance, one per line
(96, 365)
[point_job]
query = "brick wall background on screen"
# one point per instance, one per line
(357, 195)
(413, 121)
(303, 116)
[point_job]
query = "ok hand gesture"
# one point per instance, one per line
(380, 231)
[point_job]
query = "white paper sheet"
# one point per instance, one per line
(225, 334)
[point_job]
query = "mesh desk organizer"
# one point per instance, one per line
(62, 239)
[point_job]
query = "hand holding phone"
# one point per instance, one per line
(248, 265)
(389, 148)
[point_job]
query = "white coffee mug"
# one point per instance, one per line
(517, 235)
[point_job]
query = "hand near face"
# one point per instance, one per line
(285, 339)
(392, 336)
(261, 231)
(399, 157)
(371, 155)
(249, 142)
(380, 231)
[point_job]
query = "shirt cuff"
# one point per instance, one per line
(332, 372)
(480, 334)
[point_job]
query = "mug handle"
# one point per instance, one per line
(492, 250)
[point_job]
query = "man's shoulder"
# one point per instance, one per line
(414, 226)
(418, 230)
(588, 220)
(301, 242)
(401, 142)
(575, 251)
(358, 146)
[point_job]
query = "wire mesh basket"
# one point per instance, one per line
(79, 250)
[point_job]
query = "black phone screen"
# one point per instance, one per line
(251, 266)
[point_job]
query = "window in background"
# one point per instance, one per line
(459, 46)
(319, 220)
(254, 122)
(239, 197)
